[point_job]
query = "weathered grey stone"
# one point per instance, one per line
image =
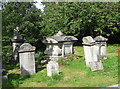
(37, 55)
(52, 68)
(92, 52)
(4, 77)
(59, 46)
(16, 43)
(27, 59)
(88, 40)
(97, 65)
(101, 41)
(67, 49)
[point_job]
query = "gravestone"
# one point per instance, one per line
(27, 59)
(97, 65)
(101, 42)
(16, 43)
(91, 51)
(89, 46)
(59, 46)
(52, 68)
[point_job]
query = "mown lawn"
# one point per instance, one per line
(73, 73)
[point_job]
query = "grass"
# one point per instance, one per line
(73, 73)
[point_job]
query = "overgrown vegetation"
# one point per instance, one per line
(73, 73)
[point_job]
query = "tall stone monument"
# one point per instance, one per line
(17, 41)
(27, 59)
(92, 54)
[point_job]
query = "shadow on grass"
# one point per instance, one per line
(40, 69)
(79, 56)
(13, 81)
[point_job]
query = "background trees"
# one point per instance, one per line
(23, 15)
(72, 18)
(82, 18)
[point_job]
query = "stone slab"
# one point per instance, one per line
(52, 68)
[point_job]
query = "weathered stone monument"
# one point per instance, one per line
(27, 59)
(59, 46)
(16, 43)
(52, 68)
(101, 42)
(92, 54)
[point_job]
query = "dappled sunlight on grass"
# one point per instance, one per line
(73, 73)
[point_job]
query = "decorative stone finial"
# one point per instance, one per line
(16, 31)
(102, 37)
(59, 33)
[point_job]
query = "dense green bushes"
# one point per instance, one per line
(72, 18)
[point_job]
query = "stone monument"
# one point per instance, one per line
(17, 41)
(52, 68)
(101, 42)
(59, 46)
(27, 59)
(92, 54)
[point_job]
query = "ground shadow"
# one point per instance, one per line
(40, 69)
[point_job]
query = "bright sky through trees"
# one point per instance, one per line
(39, 5)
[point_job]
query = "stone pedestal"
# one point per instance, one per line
(52, 68)
(59, 46)
(16, 43)
(92, 52)
(101, 41)
(27, 59)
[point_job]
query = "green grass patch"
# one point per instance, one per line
(73, 73)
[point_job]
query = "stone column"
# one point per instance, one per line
(27, 59)
(16, 43)
(92, 52)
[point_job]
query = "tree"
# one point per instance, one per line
(81, 18)
(23, 15)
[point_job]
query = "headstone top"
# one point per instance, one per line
(88, 40)
(27, 59)
(26, 47)
(100, 39)
(59, 37)
(17, 39)
(16, 31)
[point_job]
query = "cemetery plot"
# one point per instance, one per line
(59, 46)
(71, 73)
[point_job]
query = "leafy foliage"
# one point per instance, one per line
(81, 18)
(78, 19)
(23, 15)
